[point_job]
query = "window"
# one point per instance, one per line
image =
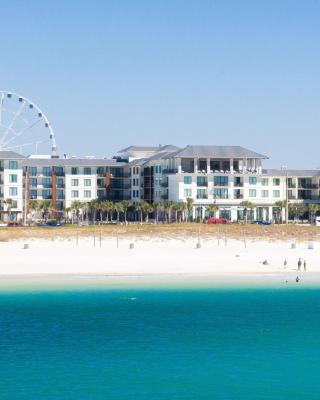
(33, 182)
(14, 204)
(220, 193)
(32, 171)
(252, 193)
(74, 171)
(33, 194)
(46, 194)
(264, 193)
(202, 181)
(58, 171)
(159, 169)
(220, 181)
(87, 194)
(46, 171)
(60, 194)
(187, 180)
(46, 182)
(13, 191)
(87, 182)
(74, 182)
(60, 183)
(202, 194)
(187, 193)
(13, 178)
(264, 181)
(276, 182)
(100, 170)
(13, 164)
(74, 194)
(252, 180)
(276, 193)
(87, 171)
(100, 193)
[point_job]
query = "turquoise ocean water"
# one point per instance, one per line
(160, 344)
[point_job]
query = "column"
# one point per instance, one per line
(270, 214)
(195, 165)
(208, 165)
(231, 165)
(179, 166)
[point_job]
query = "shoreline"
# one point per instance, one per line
(156, 262)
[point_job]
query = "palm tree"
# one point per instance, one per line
(189, 202)
(125, 205)
(184, 208)
(118, 208)
(247, 205)
(149, 210)
(313, 209)
(108, 207)
(142, 207)
(95, 206)
(9, 204)
(46, 207)
(157, 206)
(76, 207)
(212, 208)
(33, 206)
(297, 209)
(169, 206)
(66, 211)
(281, 204)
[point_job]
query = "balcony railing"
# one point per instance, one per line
(238, 196)
(238, 184)
(292, 185)
(170, 171)
(202, 196)
(202, 183)
(164, 184)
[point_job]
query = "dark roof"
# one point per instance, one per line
(216, 152)
(292, 172)
(65, 162)
(10, 155)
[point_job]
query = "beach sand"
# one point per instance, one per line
(161, 260)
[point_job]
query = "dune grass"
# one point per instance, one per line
(297, 233)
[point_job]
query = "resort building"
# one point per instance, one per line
(224, 175)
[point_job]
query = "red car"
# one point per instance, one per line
(217, 220)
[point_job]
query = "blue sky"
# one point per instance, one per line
(113, 73)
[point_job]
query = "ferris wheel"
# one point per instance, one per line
(24, 127)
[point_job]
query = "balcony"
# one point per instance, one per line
(164, 197)
(165, 184)
(292, 185)
(202, 196)
(238, 184)
(170, 171)
(202, 183)
(238, 196)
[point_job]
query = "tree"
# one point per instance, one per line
(157, 206)
(118, 208)
(33, 207)
(313, 210)
(95, 206)
(297, 209)
(247, 205)
(282, 204)
(66, 211)
(125, 205)
(212, 208)
(108, 207)
(142, 208)
(168, 207)
(76, 207)
(46, 207)
(189, 203)
(9, 204)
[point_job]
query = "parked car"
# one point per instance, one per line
(261, 222)
(217, 221)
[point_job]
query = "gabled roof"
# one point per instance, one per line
(132, 149)
(10, 155)
(216, 152)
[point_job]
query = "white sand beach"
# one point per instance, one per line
(228, 261)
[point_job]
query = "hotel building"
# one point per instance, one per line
(225, 175)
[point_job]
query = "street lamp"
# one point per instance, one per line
(285, 168)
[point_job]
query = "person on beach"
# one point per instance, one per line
(285, 264)
(299, 264)
(265, 262)
(297, 279)
(305, 265)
